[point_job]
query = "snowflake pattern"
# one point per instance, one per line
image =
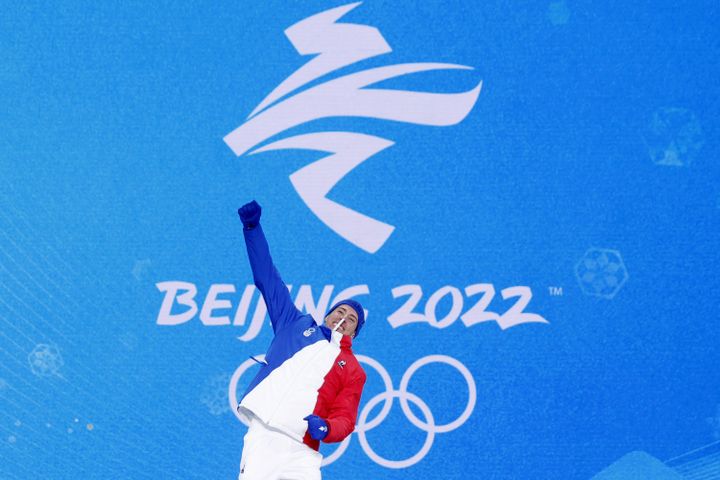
(45, 360)
(674, 137)
(215, 394)
(601, 272)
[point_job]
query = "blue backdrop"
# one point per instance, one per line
(534, 235)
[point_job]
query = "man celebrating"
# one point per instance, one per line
(309, 386)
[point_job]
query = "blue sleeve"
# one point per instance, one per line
(267, 279)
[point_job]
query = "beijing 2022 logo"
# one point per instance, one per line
(337, 45)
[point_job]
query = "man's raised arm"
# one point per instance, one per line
(267, 279)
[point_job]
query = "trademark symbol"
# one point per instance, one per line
(555, 291)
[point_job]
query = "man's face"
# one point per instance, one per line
(349, 326)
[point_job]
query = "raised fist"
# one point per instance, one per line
(250, 214)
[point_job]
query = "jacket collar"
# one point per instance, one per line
(346, 342)
(337, 338)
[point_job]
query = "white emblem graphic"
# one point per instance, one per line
(342, 363)
(364, 425)
(308, 332)
(334, 46)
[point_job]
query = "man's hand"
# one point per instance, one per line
(317, 427)
(250, 215)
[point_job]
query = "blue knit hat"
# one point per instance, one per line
(355, 306)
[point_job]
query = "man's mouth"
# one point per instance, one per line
(338, 324)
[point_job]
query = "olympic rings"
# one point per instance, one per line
(468, 379)
(428, 440)
(402, 394)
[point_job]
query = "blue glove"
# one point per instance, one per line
(250, 215)
(317, 427)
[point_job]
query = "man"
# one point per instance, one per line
(309, 386)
